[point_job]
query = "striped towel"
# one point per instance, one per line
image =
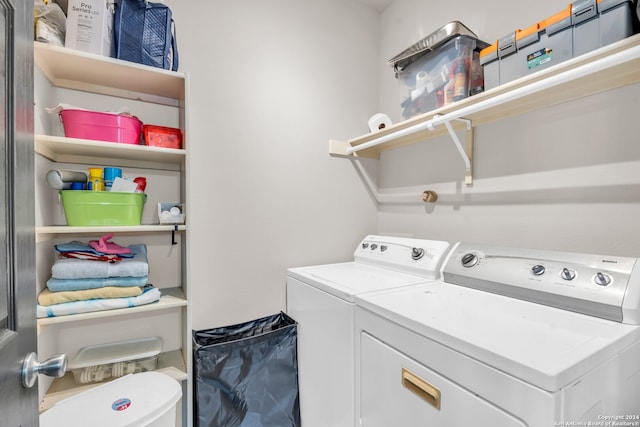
(150, 295)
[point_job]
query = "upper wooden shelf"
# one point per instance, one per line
(86, 151)
(609, 67)
(74, 69)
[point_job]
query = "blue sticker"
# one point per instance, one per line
(121, 404)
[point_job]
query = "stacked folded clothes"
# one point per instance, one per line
(97, 276)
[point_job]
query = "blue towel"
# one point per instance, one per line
(150, 295)
(73, 268)
(60, 285)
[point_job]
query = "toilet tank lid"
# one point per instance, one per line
(132, 400)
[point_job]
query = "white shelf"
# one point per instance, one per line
(171, 298)
(170, 363)
(130, 229)
(85, 151)
(103, 76)
(73, 69)
(582, 76)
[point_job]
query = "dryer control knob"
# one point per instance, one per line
(417, 253)
(538, 269)
(567, 274)
(469, 260)
(602, 279)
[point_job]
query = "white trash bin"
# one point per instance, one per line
(147, 399)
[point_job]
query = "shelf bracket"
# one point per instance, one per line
(173, 235)
(466, 152)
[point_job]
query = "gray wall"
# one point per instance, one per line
(271, 83)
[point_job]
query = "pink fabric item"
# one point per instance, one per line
(106, 246)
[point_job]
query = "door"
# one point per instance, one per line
(18, 405)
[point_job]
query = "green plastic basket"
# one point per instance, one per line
(92, 208)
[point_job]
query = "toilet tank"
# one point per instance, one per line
(147, 399)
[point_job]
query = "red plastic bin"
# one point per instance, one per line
(160, 136)
(101, 126)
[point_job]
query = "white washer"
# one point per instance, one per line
(321, 299)
(510, 337)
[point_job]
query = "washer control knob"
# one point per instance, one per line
(383, 248)
(469, 260)
(365, 245)
(602, 279)
(538, 269)
(417, 253)
(374, 246)
(568, 274)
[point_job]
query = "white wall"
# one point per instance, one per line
(563, 178)
(270, 84)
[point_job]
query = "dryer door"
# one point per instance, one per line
(396, 390)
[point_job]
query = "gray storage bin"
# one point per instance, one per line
(508, 58)
(548, 43)
(597, 24)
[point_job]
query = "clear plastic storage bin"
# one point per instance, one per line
(101, 362)
(440, 69)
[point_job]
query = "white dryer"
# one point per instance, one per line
(321, 299)
(510, 337)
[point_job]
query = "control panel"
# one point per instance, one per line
(415, 256)
(596, 285)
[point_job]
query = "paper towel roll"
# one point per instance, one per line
(421, 79)
(379, 121)
(62, 179)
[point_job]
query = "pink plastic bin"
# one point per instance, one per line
(101, 126)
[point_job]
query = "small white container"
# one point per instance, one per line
(170, 213)
(101, 362)
(147, 399)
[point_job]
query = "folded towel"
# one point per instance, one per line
(61, 285)
(47, 297)
(150, 295)
(76, 246)
(72, 268)
(92, 257)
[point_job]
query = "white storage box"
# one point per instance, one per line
(100, 362)
(90, 26)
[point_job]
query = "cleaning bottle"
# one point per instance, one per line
(96, 182)
(449, 90)
(460, 78)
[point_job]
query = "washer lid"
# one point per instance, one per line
(544, 346)
(132, 400)
(345, 280)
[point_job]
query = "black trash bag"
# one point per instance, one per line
(247, 374)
